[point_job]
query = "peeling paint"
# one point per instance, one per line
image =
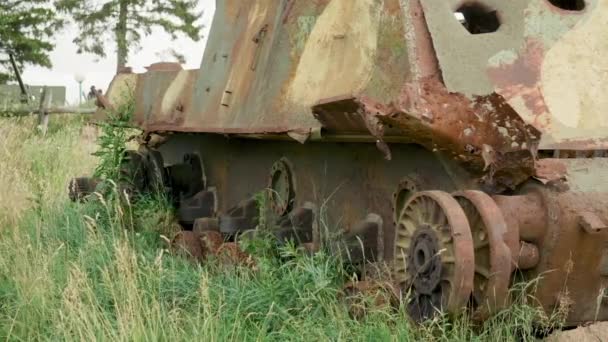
(426, 79)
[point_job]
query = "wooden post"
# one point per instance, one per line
(43, 113)
(24, 94)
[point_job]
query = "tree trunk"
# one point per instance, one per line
(122, 50)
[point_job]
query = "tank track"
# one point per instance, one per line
(448, 245)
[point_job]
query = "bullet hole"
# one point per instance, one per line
(471, 149)
(478, 18)
(569, 5)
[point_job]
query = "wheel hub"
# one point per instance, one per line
(425, 261)
(434, 261)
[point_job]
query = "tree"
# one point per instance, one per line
(125, 22)
(26, 29)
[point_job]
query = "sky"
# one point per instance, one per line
(99, 72)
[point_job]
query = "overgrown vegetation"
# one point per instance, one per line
(101, 271)
(113, 139)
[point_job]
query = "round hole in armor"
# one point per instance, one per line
(569, 5)
(478, 18)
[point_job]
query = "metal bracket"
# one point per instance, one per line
(591, 223)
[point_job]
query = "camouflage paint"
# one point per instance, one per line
(268, 63)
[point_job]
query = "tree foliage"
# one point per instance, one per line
(125, 22)
(26, 29)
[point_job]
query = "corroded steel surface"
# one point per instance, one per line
(343, 178)
(120, 89)
(369, 295)
(434, 255)
(492, 254)
(543, 60)
(188, 244)
(412, 70)
(563, 241)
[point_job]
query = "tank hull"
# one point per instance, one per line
(435, 135)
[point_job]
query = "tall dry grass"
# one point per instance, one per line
(33, 167)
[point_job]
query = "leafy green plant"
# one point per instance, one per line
(115, 133)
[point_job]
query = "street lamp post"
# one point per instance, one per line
(79, 78)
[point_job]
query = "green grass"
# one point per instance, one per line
(73, 272)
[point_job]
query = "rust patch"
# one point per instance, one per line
(199, 246)
(521, 78)
(349, 114)
(287, 11)
(339, 114)
(392, 7)
(164, 66)
(365, 296)
(426, 58)
(550, 170)
(101, 101)
(230, 253)
(577, 145)
(524, 71)
(188, 244)
(484, 133)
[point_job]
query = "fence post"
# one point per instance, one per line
(43, 114)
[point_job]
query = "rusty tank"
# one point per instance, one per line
(461, 143)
